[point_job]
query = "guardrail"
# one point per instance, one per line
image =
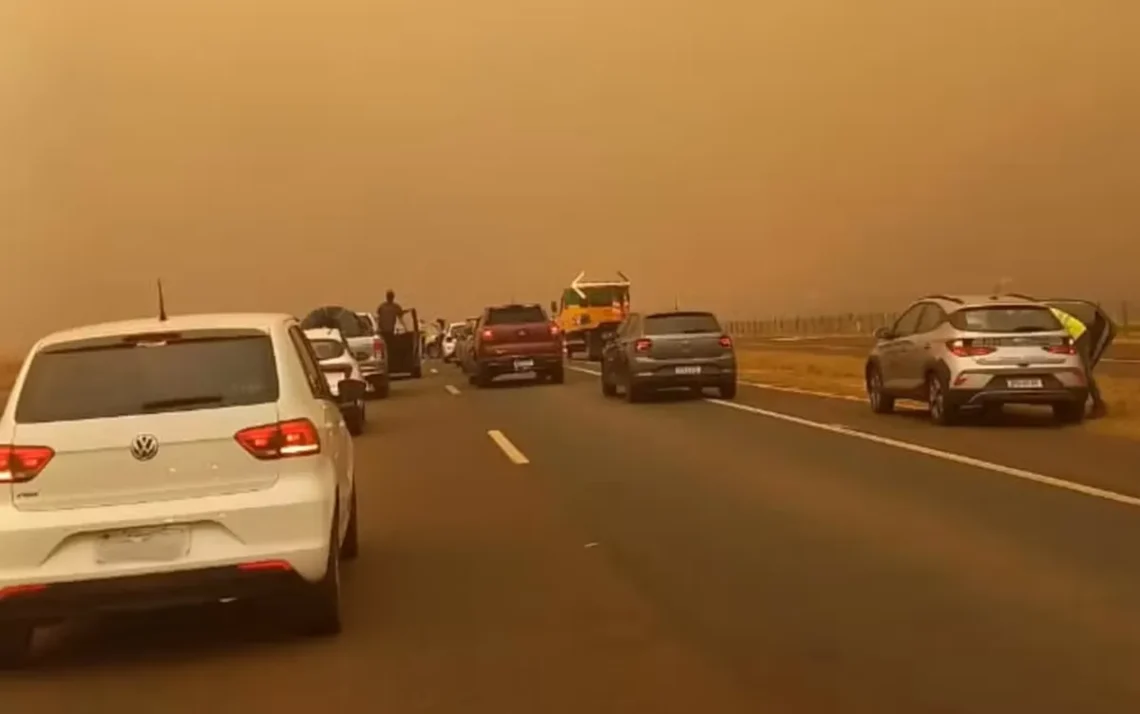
(1124, 313)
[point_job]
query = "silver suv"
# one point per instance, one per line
(959, 353)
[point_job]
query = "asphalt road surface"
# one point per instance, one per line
(542, 549)
(1122, 360)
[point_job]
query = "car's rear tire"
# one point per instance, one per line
(942, 411)
(482, 378)
(383, 388)
(417, 372)
(354, 418)
(727, 390)
(318, 612)
(15, 644)
(634, 393)
(1068, 413)
(881, 402)
(351, 546)
(558, 375)
(609, 389)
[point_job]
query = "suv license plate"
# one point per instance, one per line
(1024, 383)
(687, 370)
(522, 365)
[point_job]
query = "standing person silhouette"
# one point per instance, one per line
(388, 313)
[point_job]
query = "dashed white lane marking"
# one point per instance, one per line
(452, 390)
(927, 451)
(517, 457)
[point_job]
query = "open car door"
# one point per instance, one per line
(1102, 330)
(405, 350)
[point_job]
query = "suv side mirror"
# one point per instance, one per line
(883, 333)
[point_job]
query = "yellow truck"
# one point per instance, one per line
(589, 311)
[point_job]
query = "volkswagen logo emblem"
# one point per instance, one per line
(144, 447)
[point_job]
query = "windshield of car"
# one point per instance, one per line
(327, 349)
(1005, 319)
(68, 384)
(515, 315)
(682, 323)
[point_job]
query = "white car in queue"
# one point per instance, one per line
(337, 363)
(173, 461)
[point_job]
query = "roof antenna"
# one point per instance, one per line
(676, 303)
(161, 303)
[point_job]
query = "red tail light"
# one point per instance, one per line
(281, 440)
(378, 347)
(1065, 348)
(23, 463)
(488, 335)
(961, 348)
(642, 345)
(18, 590)
(554, 331)
(263, 566)
(726, 342)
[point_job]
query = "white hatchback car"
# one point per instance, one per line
(338, 364)
(164, 462)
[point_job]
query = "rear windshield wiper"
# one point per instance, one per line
(203, 400)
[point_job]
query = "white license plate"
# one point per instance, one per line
(1024, 383)
(687, 370)
(522, 365)
(150, 545)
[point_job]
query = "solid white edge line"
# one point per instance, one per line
(517, 457)
(451, 389)
(927, 451)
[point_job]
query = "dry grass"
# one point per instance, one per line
(843, 374)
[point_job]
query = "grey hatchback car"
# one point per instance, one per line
(961, 353)
(668, 350)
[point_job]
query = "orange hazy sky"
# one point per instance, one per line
(753, 156)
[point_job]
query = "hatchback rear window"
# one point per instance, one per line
(1005, 319)
(96, 381)
(327, 349)
(682, 323)
(515, 315)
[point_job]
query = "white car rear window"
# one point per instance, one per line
(123, 376)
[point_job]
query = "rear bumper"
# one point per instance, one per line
(669, 379)
(982, 397)
(289, 522)
(60, 601)
(506, 364)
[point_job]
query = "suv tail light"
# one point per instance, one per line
(378, 346)
(963, 348)
(1065, 348)
(726, 342)
(554, 331)
(23, 463)
(281, 440)
(488, 335)
(642, 345)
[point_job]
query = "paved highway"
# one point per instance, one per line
(540, 549)
(1122, 360)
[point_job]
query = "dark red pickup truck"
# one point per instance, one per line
(515, 339)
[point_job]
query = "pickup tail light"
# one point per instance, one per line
(378, 347)
(642, 345)
(726, 342)
(555, 331)
(19, 464)
(282, 440)
(488, 335)
(963, 348)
